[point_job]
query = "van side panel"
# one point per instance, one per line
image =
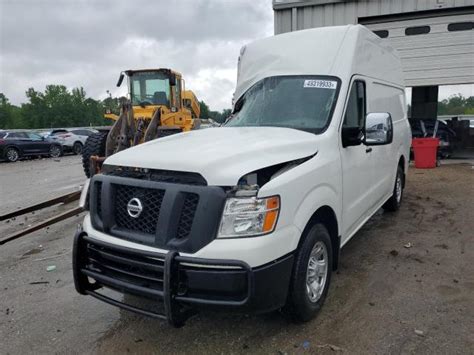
(384, 97)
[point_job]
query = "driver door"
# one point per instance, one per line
(37, 143)
(356, 164)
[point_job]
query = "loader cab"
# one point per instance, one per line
(154, 87)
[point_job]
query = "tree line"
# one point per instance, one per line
(58, 107)
(217, 116)
(456, 105)
(53, 108)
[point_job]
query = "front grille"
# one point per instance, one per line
(173, 216)
(138, 270)
(98, 193)
(187, 215)
(151, 200)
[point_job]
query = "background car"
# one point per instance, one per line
(426, 127)
(72, 140)
(15, 145)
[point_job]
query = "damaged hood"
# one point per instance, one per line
(221, 155)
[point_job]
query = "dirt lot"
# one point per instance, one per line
(405, 285)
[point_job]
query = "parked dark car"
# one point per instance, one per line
(15, 145)
(425, 128)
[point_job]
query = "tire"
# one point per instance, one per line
(12, 154)
(77, 148)
(394, 202)
(95, 145)
(305, 301)
(55, 151)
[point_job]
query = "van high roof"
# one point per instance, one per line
(340, 51)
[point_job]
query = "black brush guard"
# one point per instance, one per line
(177, 306)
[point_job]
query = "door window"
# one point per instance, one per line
(356, 106)
(17, 135)
(34, 136)
(177, 95)
(80, 132)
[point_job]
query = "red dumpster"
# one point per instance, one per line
(425, 150)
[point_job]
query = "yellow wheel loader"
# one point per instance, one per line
(158, 106)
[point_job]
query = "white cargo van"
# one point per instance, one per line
(251, 216)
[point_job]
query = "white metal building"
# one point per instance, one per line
(434, 38)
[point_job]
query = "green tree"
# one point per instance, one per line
(10, 115)
(57, 107)
(456, 105)
(204, 110)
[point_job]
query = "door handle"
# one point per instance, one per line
(368, 150)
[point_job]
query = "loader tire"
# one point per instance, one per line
(95, 145)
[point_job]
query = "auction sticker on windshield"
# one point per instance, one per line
(320, 84)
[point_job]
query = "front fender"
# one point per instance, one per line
(319, 196)
(307, 187)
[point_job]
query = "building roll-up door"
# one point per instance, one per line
(436, 50)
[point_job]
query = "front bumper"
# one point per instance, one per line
(182, 284)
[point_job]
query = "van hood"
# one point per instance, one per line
(221, 155)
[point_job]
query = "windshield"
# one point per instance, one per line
(300, 102)
(150, 88)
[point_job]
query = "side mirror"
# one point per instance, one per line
(119, 82)
(352, 136)
(378, 128)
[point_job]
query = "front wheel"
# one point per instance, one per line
(394, 202)
(55, 151)
(12, 154)
(95, 145)
(311, 274)
(77, 148)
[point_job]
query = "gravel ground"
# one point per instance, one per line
(405, 285)
(31, 181)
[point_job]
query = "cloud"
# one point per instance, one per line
(87, 43)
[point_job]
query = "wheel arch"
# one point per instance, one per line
(326, 216)
(18, 149)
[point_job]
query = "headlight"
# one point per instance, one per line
(249, 216)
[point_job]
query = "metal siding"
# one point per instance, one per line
(318, 17)
(285, 21)
(363, 8)
(437, 58)
(350, 9)
(385, 6)
(328, 15)
(307, 17)
(339, 17)
(294, 19)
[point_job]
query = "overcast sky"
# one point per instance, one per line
(87, 43)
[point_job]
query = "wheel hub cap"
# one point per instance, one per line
(12, 154)
(316, 274)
